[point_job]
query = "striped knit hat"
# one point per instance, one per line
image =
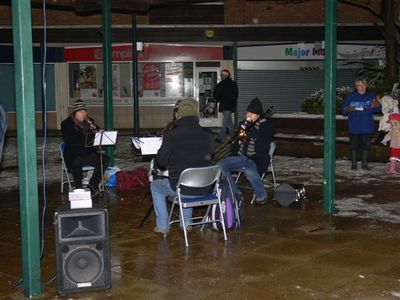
(79, 105)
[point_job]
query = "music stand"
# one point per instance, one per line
(148, 145)
(99, 139)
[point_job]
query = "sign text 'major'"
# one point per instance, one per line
(299, 53)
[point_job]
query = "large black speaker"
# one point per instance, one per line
(82, 249)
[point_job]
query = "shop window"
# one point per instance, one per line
(159, 83)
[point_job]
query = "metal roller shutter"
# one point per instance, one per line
(284, 89)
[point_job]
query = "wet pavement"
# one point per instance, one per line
(295, 252)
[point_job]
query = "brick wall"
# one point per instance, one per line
(236, 12)
(59, 17)
(308, 11)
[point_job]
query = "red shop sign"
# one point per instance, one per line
(151, 52)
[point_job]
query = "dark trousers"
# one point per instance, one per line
(93, 160)
(359, 141)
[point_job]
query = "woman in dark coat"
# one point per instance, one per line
(77, 130)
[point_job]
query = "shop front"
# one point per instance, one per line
(166, 74)
(282, 75)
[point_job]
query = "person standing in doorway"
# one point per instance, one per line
(359, 107)
(226, 93)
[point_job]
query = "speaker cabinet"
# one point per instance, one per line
(82, 249)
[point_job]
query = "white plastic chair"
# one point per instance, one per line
(198, 178)
(270, 169)
(64, 172)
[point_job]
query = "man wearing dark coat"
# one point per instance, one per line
(187, 145)
(226, 93)
(252, 155)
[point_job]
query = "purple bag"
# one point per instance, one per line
(232, 208)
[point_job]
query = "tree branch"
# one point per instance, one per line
(374, 11)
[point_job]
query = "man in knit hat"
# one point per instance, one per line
(187, 145)
(252, 155)
(74, 131)
(226, 93)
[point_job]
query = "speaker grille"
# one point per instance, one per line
(82, 249)
(83, 264)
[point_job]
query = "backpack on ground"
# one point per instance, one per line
(232, 207)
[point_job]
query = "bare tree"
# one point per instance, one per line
(390, 18)
(389, 14)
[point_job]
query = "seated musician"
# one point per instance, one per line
(252, 155)
(74, 130)
(187, 145)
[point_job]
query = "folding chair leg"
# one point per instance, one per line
(170, 213)
(222, 219)
(69, 182)
(206, 217)
(183, 226)
(62, 179)
(273, 175)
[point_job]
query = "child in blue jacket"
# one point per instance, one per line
(360, 106)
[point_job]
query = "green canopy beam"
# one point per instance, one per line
(330, 106)
(26, 139)
(135, 85)
(107, 75)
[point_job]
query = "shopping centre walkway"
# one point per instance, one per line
(279, 253)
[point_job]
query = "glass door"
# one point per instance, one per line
(206, 80)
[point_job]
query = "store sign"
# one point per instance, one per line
(309, 51)
(150, 52)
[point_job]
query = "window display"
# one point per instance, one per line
(158, 83)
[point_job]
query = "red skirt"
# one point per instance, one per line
(395, 153)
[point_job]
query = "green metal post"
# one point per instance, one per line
(235, 71)
(135, 92)
(26, 139)
(107, 74)
(330, 106)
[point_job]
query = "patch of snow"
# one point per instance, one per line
(308, 137)
(395, 294)
(303, 115)
(357, 207)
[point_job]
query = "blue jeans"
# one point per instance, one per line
(160, 190)
(241, 163)
(227, 123)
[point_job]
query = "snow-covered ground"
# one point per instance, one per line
(307, 171)
(125, 159)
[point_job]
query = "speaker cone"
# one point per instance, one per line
(83, 265)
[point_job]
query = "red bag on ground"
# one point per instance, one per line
(128, 180)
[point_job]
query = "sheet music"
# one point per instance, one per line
(105, 137)
(148, 145)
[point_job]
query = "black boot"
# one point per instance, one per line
(364, 160)
(380, 137)
(353, 159)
